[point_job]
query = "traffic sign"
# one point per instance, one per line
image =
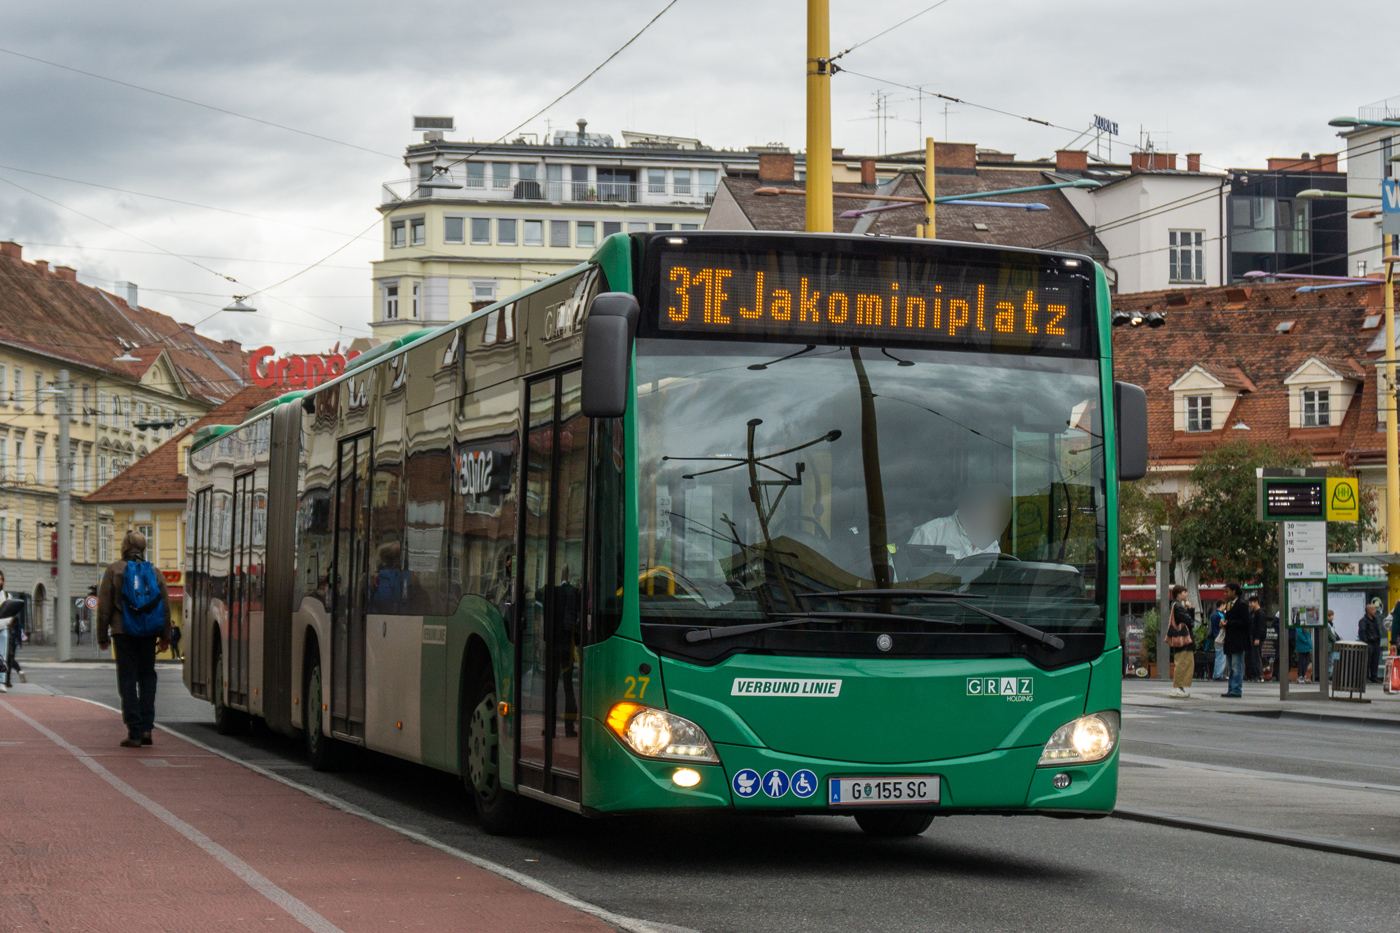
(1390, 206)
(1343, 499)
(92, 602)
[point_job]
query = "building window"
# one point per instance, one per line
(87, 471)
(637, 226)
(709, 181)
(417, 299)
(534, 233)
(690, 226)
(416, 235)
(4, 541)
(610, 227)
(4, 381)
(453, 229)
(101, 468)
(665, 228)
(559, 233)
(38, 393)
(18, 396)
(680, 179)
(476, 175)
(481, 231)
(87, 408)
(39, 462)
(500, 174)
(391, 302)
(1198, 413)
(1186, 255)
(103, 400)
(4, 456)
(1317, 408)
(104, 542)
(396, 233)
(19, 537)
(587, 233)
(578, 175)
(656, 181)
(483, 290)
(505, 231)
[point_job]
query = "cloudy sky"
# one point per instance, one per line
(1237, 81)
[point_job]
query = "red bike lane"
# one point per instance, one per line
(171, 837)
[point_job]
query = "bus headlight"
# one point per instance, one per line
(655, 733)
(1081, 741)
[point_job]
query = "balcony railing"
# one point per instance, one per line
(477, 188)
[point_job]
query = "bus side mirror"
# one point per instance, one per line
(607, 354)
(1130, 403)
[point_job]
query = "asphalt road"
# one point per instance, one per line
(720, 873)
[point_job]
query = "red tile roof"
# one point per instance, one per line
(45, 312)
(156, 477)
(1232, 333)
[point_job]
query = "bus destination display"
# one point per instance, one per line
(841, 299)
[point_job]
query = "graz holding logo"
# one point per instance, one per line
(1015, 689)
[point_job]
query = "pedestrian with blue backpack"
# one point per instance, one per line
(133, 605)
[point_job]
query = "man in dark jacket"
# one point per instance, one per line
(1258, 630)
(1368, 629)
(1237, 638)
(136, 654)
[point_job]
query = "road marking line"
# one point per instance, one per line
(255, 880)
(627, 924)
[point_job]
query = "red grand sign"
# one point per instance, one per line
(295, 372)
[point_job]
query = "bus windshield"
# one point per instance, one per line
(776, 480)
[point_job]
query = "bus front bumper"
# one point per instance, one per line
(1000, 781)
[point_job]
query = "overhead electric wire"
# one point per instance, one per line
(160, 197)
(891, 29)
(146, 252)
(196, 103)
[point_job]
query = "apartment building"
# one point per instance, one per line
(137, 377)
(474, 222)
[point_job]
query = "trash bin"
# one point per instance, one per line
(1349, 670)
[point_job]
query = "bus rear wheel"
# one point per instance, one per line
(501, 812)
(321, 749)
(893, 824)
(227, 721)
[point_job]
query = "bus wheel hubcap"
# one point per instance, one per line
(481, 747)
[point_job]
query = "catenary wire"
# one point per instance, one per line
(889, 30)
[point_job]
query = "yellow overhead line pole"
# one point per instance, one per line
(930, 228)
(818, 184)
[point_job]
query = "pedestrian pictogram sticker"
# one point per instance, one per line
(1343, 499)
(775, 783)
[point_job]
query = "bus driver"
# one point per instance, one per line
(984, 511)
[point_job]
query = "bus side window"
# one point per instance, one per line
(483, 500)
(607, 525)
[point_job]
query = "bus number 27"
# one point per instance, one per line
(636, 687)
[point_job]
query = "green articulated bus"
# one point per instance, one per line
(771, 522)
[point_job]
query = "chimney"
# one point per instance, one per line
(955, 156)
(1153, 161)
(777, 166)
(838, 154)
(1327, 161)
(67, 272)
(1071, 160)
(42, 265)
(582, 128)
(867, 172)
(1193, 161)
(11, 250)
(234, 345)
(128, 292)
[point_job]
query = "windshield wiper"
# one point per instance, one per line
(710, 634)
(957, 599)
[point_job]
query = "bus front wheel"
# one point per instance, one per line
(501, 812)
(893, 824)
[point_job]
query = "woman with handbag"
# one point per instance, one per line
(1181, 639)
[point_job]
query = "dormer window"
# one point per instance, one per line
(1198, 413)
(1317, 412)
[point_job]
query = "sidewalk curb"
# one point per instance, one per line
(619, 921)
(1336, 847)
(1314, 717)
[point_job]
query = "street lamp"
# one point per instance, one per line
(1311, 194)
(237, 306)
(1353, 122)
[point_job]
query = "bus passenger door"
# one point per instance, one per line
(552, 563)
(351, 588)
(240, 591)
(197, 612)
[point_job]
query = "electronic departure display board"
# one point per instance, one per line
(1295, 499)
(890, 292)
